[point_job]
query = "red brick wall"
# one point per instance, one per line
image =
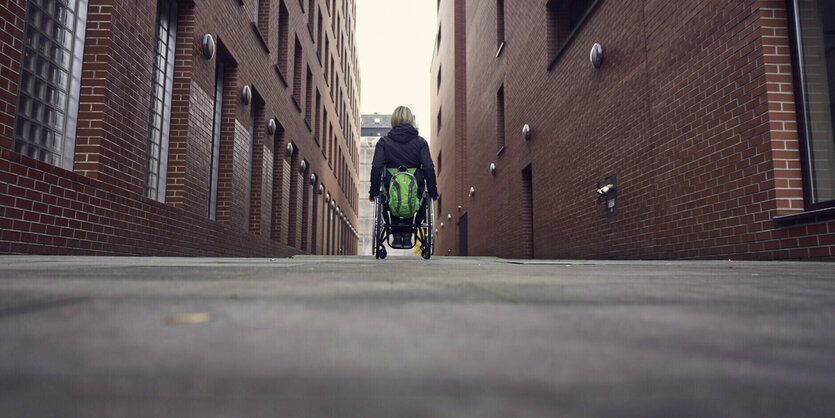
(692, 109)
(100, 207)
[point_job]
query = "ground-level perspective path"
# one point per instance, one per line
(403, 337)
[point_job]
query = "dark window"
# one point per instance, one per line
(47, 103)
(439, 120)
(440, 161)
(815, 56)
(217, 117)
(319, 35)
(156, 162)
(439, 39)
(308, 96)
(283, 25)
(297, 72)
(564, 18)
(310, 16)
(499, 23)
(439, 78)
(319, 110)
(500, 125)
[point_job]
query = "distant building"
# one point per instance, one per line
(713, 120)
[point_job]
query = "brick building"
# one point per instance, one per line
(169, 127)
(713, 120)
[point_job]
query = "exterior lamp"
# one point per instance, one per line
(596, 55)
(208, 46)
(246, 95)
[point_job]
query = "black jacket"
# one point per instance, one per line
(403, 147)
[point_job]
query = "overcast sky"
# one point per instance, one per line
(395, 39)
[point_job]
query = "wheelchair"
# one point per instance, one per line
(385, 225)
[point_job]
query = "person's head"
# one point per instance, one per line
(402, 116)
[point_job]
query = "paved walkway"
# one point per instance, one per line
(447, 337)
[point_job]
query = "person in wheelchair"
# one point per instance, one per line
(403, 147)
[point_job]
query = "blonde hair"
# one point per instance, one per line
(401, 116)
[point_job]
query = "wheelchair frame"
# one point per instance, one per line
(383, 228)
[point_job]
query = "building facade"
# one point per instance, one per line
(711, 120)
(166, 127)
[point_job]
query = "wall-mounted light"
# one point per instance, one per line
(246, 95)
(442, 225)
(271, 127)
(208, 46)
(290, 149)
(492, 169)
(526, 132)
(449, 216)
(596, 55)
(472, 191)
(303, 166)
(313, 179)
(333, 204)
(321, 189)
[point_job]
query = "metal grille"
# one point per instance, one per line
(50, 78)
(162, 82)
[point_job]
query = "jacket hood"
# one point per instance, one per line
(403, 133)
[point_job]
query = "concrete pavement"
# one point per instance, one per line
(449, 337)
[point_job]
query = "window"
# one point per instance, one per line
(310, 17)
(439, 79)
(319, 39)
(500, 125)
(499, 25)
(50, 80)
(297, 73)
(438, 42)
(439, 120)
(815, 60)
(308, 96)
(440, 206)
(248, 191)
(217, 117)
(156, 162)
(564, 18)
(283, 25)
(319, 110)
(262, 17)
(440, 161)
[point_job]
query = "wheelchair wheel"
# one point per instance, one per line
(379, 230)
(375, 229)
(430, 220)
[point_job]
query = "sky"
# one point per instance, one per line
(395, 41)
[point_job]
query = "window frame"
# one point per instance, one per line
(157, 191)
(567, 41)
(801, 108)
(62, 155)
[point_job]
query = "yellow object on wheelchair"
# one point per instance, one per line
(421, 236)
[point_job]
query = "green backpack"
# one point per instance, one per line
(403, 190)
